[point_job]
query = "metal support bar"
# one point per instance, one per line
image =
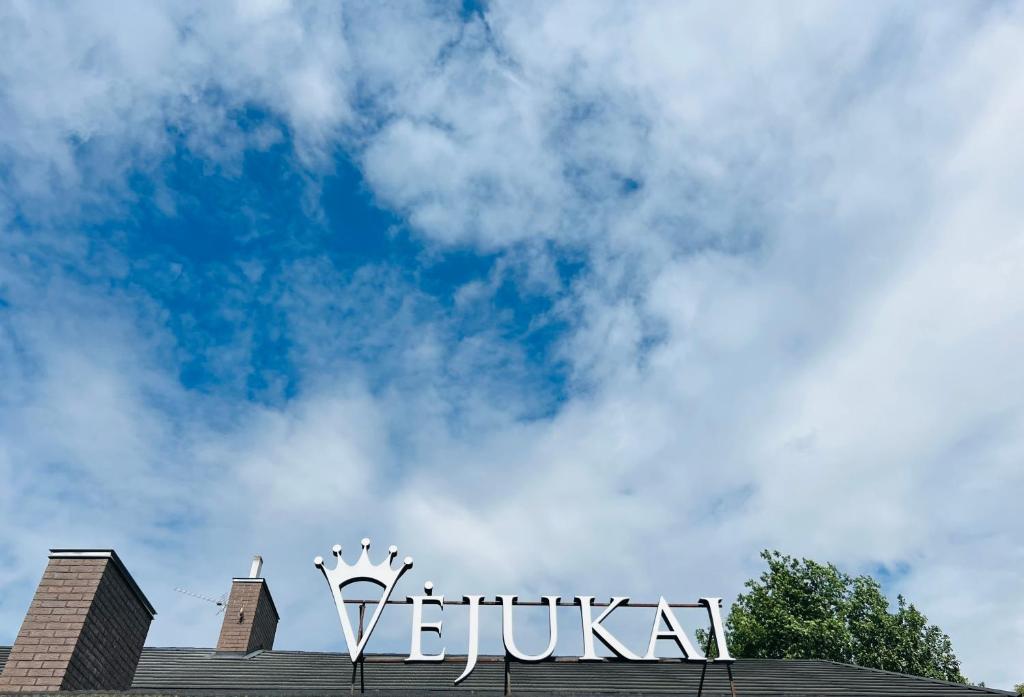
(362, 658)
(703, 671)
(508, 676)
(538, 603)
(461, 659)
(704, 668)
(360, 664)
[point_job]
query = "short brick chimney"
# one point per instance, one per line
(250, 617)
(84, 629)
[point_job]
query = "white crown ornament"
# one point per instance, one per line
(383, 574)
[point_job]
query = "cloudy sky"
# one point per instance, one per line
(557, 297)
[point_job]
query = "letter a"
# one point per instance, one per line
(675, 632)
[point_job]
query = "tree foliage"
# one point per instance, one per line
(1019, 689)
(803, 609)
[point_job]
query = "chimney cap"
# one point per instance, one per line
(118, 564)
(257, 566)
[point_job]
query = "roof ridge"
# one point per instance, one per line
(979, 688)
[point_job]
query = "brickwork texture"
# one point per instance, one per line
(84, 630)
(250, 619)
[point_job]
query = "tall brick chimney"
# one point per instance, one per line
(84, 629)
(250, 617)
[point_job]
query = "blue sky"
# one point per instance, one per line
(580, 298)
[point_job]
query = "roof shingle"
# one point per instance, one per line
(183, 671)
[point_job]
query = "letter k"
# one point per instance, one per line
(592, 628)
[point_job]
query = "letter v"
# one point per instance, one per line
(346, 625)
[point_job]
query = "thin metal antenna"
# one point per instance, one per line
(219, 602)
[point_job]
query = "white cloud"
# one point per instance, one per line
(799, 327)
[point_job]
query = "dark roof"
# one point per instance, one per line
(202, 671)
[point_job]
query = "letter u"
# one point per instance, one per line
(507, 601)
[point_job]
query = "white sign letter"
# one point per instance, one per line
(712, 604)
(474, 635)
(507, 601)
(419, 626)
(343, 574)
(592, 628)
(675, 632)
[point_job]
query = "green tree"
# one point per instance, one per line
(803, 609)
(1019, 688)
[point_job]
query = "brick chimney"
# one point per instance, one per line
(250, 617)
(84, 629)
